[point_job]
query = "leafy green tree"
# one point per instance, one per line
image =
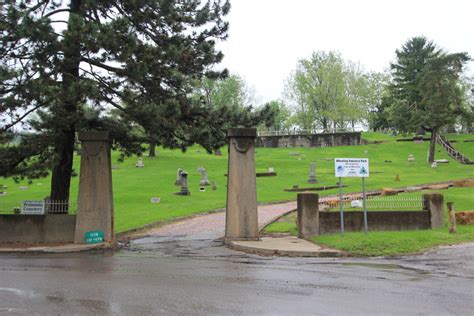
(378, 101)
(329, 93)
(283, 118)
(57, 55)
(426, 89)
(317, 87)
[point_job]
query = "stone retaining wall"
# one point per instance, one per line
(329, 222)
(53, 228)
(311, 140)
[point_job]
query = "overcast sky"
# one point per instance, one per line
(267, 37)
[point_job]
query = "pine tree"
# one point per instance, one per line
(425, 89)
(60, 59)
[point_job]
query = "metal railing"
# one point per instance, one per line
(300, 132)
(373, 203)
(453, 153)
(50, 207)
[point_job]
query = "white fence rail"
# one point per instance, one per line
(375, 203)
(50, 207)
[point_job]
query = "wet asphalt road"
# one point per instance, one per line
(194, 274)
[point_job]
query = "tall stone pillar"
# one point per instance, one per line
(241, 211)
(95, 209)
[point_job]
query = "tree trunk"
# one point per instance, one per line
(151, 149)
(61, 175)
(66, 119)
(325, 126)
(431, 156)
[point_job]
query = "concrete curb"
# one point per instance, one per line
(56, 249)
(285, 247)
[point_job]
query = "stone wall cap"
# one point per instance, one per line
(242, 132)
(94, 136)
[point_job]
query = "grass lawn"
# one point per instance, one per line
(391, 243)
(134, 187)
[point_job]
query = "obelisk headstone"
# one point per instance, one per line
(312, 174)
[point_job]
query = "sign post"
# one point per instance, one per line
(352, 167)
(364, 204)
(341, 211)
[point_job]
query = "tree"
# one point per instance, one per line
(283, 119)
(328, 92)
(229, 102)
(317, 86)
(378, 101)
(425, 91)
(442, 96)
(58, 56)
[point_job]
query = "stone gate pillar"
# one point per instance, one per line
(241, 211)
(95, 209)
(308, 214)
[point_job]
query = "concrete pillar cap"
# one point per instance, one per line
(94, 136)
(242, 132)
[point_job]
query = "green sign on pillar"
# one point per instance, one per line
(94, 237)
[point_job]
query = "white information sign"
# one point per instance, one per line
(32, 208)
(352, 167)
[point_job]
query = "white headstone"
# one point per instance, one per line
(155, 200)
(140, 163)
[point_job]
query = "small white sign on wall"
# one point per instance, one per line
(32, 208)
(351, 167)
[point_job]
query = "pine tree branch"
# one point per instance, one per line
(56, 11)
(118, 71)
(7, 127)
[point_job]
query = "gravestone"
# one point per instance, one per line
(140, 163)
(411, 158)
(434, 165)
(95, 207)
(178, 177)
(204, 180)
(213, 186)
(271, 170)
(312, 173)
(241, 210)
(397, 178)
(155, 200)
(217, 152)
(184, 184)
